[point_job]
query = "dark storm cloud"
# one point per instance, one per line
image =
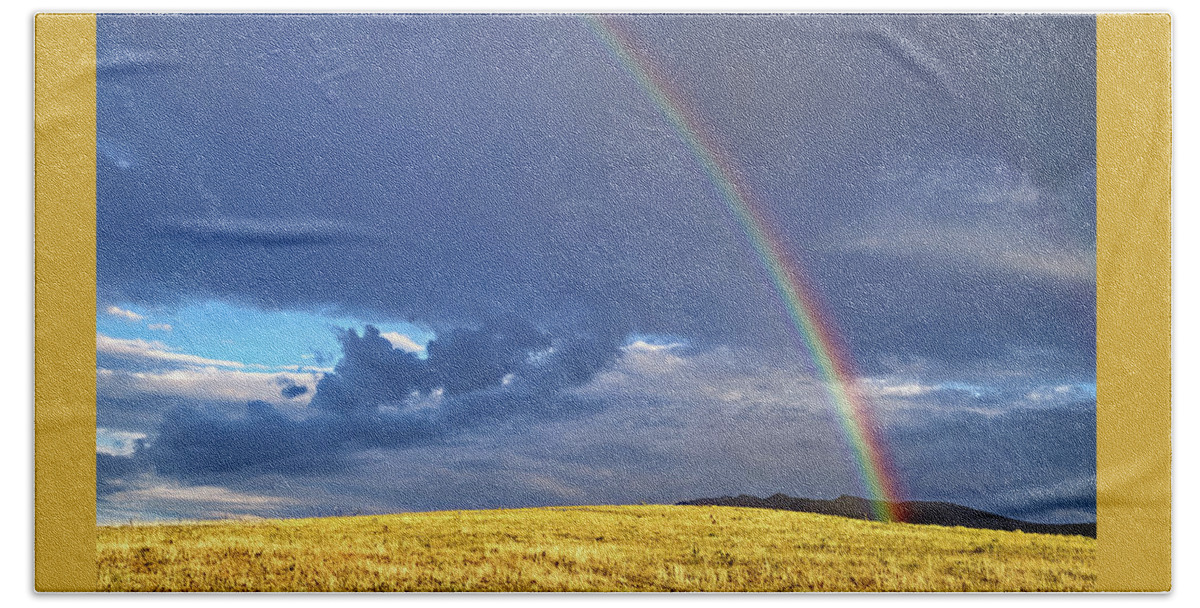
(378, 396)
(512, 167)
(471, 360)
(191, 443)
(372, 373)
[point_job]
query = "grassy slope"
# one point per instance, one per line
(625, 548)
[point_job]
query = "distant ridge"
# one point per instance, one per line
(919, 512)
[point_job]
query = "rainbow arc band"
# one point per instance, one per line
(814, 326)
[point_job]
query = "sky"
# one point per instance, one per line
(369, 264)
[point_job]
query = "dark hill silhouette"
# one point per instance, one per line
(916, 512)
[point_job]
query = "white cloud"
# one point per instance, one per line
(305, 368)
(207, 383)
(416, 402)
(116, 443)
(999, 248)
(153, 351)
(745, 382)
(117, 311)
(642, 345)
(732, 379)
(157, 499)
(160, 326)
(1061, 394)
(906, 390)
(171, 492)
(402, 342)
(887, 387)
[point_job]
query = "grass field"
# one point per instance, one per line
(623, 548)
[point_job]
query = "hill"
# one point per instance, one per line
(617, 548)
(916, 512)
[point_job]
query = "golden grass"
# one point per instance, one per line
(620, 548)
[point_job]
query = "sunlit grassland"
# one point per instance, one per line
(620, 548)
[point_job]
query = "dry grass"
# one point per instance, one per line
(626, 548)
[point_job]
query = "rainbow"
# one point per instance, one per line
(815, 327)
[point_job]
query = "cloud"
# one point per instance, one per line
(153, 351)
(292, 391)
(156, 498)
(1060, 395)
(982, 446)
(372, 373)
(725, 422)
(117, 311)
(1003, 220)
(160, 326)
(274, 232)
(402, 342)
(473, 359)
(906, 390)
(738, 380)
(117, 443)
(376, 396)
(192, 443)
(642, 345)
(657, 425)
(204, 384)
(305, 368)
(999, 249)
